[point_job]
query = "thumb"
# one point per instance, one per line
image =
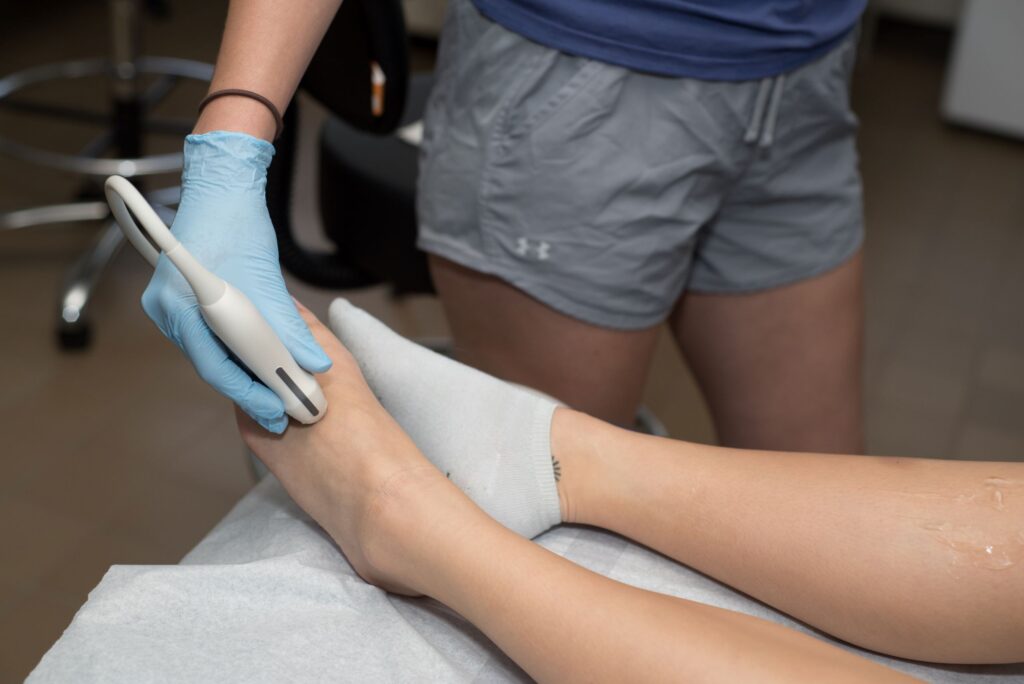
(297, 337)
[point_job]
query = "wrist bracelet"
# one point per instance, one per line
(278, 119)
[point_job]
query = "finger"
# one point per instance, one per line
(297, 338)
(214, 366)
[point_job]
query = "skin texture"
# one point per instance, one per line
(405, 527)
(266, 47)
(781, 368)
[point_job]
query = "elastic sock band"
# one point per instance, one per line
(278, 119)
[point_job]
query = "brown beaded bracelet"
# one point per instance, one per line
(278, 119)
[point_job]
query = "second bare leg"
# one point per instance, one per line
(507, 333)
(781, 369)
(911, 557)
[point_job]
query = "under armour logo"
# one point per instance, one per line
(541, 249)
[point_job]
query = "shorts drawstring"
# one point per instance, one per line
(766, 111)
(773, 112)
(758, 114)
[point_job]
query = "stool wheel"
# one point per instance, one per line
(74, 337)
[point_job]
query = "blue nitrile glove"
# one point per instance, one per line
(223, 221)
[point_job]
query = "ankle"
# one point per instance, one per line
(580, 446)
(403, 523)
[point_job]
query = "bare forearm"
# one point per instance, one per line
(561, 622)
(919, 558)
(267, 46)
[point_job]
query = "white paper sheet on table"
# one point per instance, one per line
(267, 597)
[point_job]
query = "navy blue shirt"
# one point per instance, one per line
(728, 40)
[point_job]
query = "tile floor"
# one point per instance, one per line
(118, 454)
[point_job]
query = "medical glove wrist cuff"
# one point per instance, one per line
(226, 160)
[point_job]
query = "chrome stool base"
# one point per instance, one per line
(73, 329)
(170, 68)
(127, 122)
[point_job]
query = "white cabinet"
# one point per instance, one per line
(985, 79)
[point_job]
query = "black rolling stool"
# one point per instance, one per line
(124, 125)
(367, 174)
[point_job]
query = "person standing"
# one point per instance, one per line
(593, 170)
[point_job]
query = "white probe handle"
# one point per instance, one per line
(241, 327)
(228, 312)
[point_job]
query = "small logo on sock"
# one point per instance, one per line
(539, 250)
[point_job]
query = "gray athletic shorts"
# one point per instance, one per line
(605, 192)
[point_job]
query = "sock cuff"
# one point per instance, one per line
(548, 508)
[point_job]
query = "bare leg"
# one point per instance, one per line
(916, 558)
(406, 527)
(781, 369)
(508, 334)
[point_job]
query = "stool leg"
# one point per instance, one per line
(73, 327)
(126, 131)
(127, 113)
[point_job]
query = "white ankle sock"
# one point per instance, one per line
(491, 438)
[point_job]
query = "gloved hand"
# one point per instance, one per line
(223, 221)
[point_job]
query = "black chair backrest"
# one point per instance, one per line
(339, 76)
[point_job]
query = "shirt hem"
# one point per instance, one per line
(638, 58)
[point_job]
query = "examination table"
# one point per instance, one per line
(268, 597)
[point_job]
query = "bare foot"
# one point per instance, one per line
(358, 474)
